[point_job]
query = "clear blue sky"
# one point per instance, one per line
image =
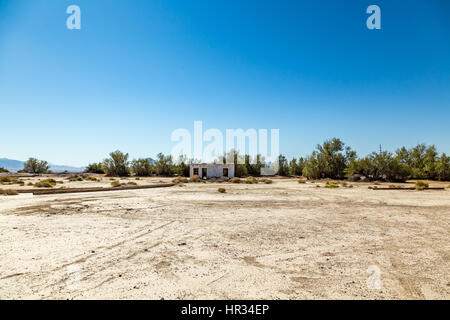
(137, 70)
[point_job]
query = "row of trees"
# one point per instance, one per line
(332, 159)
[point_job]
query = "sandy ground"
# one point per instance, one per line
(280, 241)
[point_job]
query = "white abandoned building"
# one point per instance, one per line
(212, 170)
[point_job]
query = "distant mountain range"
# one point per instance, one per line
(16, 165)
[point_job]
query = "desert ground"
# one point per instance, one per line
(283, 240)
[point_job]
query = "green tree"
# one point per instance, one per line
(443, 168)
(164, 165)
(329, 160)
(95, 168)
(36, 166)
(296, 167)
(142, 167)
(283, 167)
(182, 166)
(117, 164)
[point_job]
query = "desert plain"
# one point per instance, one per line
(283, 240)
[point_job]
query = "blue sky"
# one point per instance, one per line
(137, 70)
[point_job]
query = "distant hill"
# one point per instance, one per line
(15, 165)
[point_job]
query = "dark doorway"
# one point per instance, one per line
(204, 173)
(225, 172)
(195, 171)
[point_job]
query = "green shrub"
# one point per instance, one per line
(302, 181)
(3, 170)
(331, 185)
(95, 168)
(47, 183)
(131, 183)
(91, 178)
(268, 181)
(116, 184)
(251, 180)
(6, 180)
(77, 178)
(221, 190)
(421, 185)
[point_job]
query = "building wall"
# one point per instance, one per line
(213, 170)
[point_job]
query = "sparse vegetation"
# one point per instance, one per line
(302, 181)
(115, 184)
(2, 170)
(91, 178)
(267, 181)
(47, 183)
(235, 180)
(76, 178)
(250, 180)
(421, 185)
(221, 190)
(131, 183)
(331, 185)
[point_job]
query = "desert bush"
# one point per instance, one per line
(36, 166)
(250, 180)
(131, 183)
(235, 180)
(268, 181)
(77, 178)
(6, 180)
(95, 168)
(194, 178)
(47, 183)
(2, 170)
(30, 184)
(117, 164)
(9, 192)
(344, 184)
(331, 185)
(301, 181)
(91, 178)
(115, 184)
(421, 185)
(180, 180)
(221, 190)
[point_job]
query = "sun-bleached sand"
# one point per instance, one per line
(283, 240)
